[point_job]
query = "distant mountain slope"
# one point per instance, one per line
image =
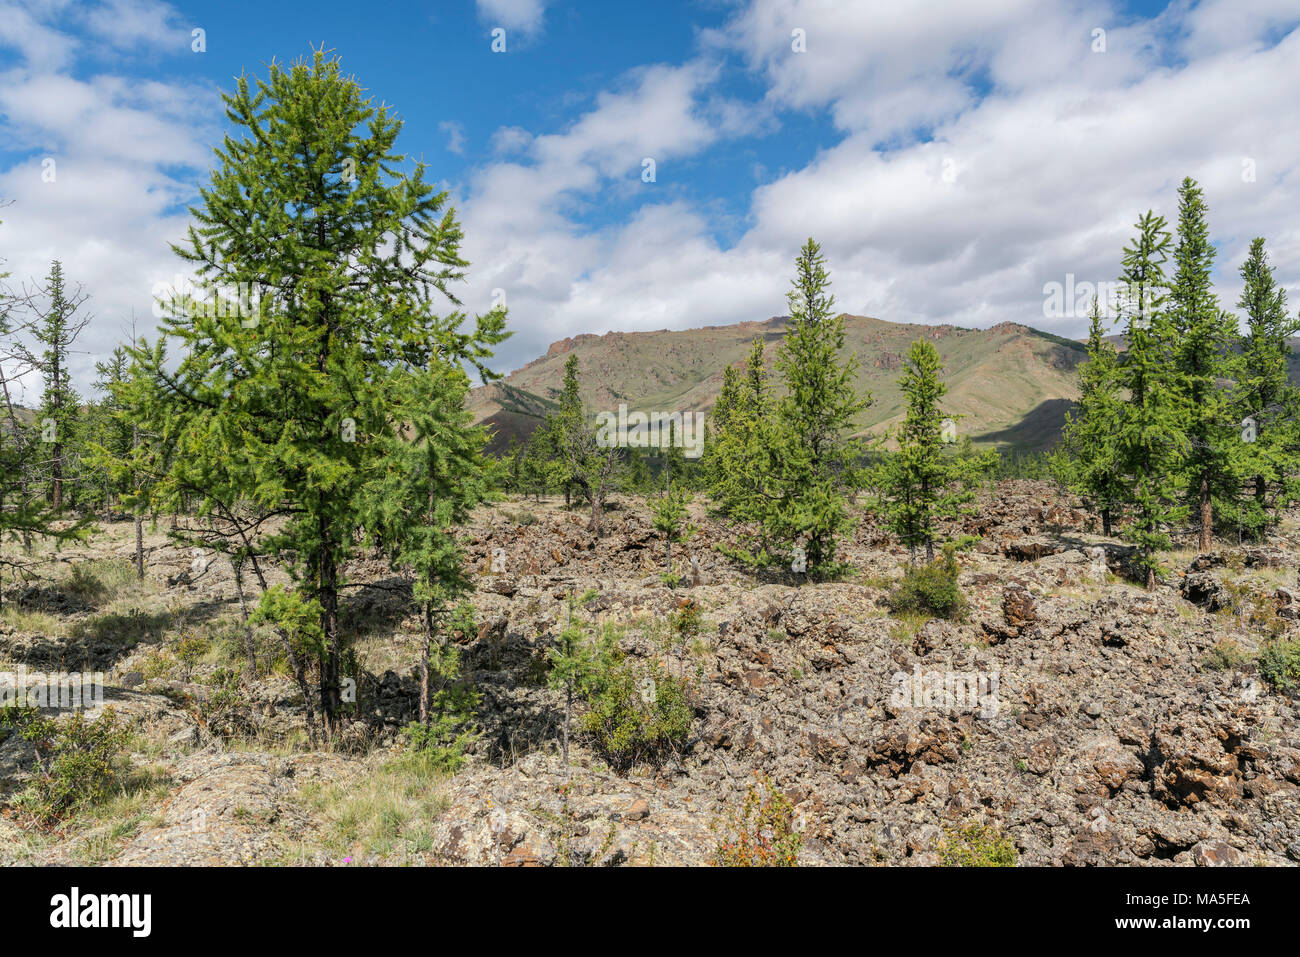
(1011, 383)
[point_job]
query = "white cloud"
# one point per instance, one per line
(523, 15)
(983, 150)
(125, 155)
(1013, 155)
(455, 136)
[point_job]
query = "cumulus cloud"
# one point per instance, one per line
(978, 152)
(985, 151)
(107, 165)
(523, 15)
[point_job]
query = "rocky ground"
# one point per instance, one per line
(1112, 726)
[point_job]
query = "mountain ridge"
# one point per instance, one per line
(1009, 384)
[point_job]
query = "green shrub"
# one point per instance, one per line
(976, 845)
(1224, 656)
(930, 589)
(635, 715)
(1279, 664)
(78, 762)
(761, 833)
(441, 744)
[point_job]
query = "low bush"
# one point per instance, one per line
(760, 833)
(976, 845)
(1279, 665)
(930, 589)
(635, 715)
(78, 762)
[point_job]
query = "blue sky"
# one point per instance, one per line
(954, 158)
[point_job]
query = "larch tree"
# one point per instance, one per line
(55, 328)
(593, 468)
(1150, 432)
(816, 415)
(1204, 358)
(1090, 432)
(921, 482)
(1268, 403)
(300, 396)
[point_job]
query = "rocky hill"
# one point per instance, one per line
(1012, 384)
(1113, 725)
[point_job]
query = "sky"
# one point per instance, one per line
(955, 159)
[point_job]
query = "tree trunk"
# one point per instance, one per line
(329, 623)
(1105, 522)
(250, 647)
(300, 676)
(424, 666)
(1207, 516)
(596, 510)
(568, 709)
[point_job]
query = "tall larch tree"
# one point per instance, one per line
(1090, 433)
(1268, 403)
(1150, 432)
(921, 482)
(300, 397)
(1204, 358)
(816, 416)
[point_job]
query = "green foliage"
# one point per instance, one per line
(741, 443)
(635, 715)
(1090, 435)
(922, 482)
(443, 740)
(78, 762)
(1266, 398)
(298, 409)
(930, 589)
(1279, 664)
(669, 512)
(977, 845)
(592, 467)
(1204, 356)
(297, 617)
(760, 833)
(1149, 449)
(787, 465)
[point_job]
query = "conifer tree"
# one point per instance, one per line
(1203, 356)
(1090, 433)
(1268, 404)
(717, 423)
(564, 426)
(669, 511)
(25, 514)
(436, 473)
(816, 413)
(55, 328)
(921, 483)
(109, 426)
(590, 467)
(294, 407)
(743, 451)
(1150, 431)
